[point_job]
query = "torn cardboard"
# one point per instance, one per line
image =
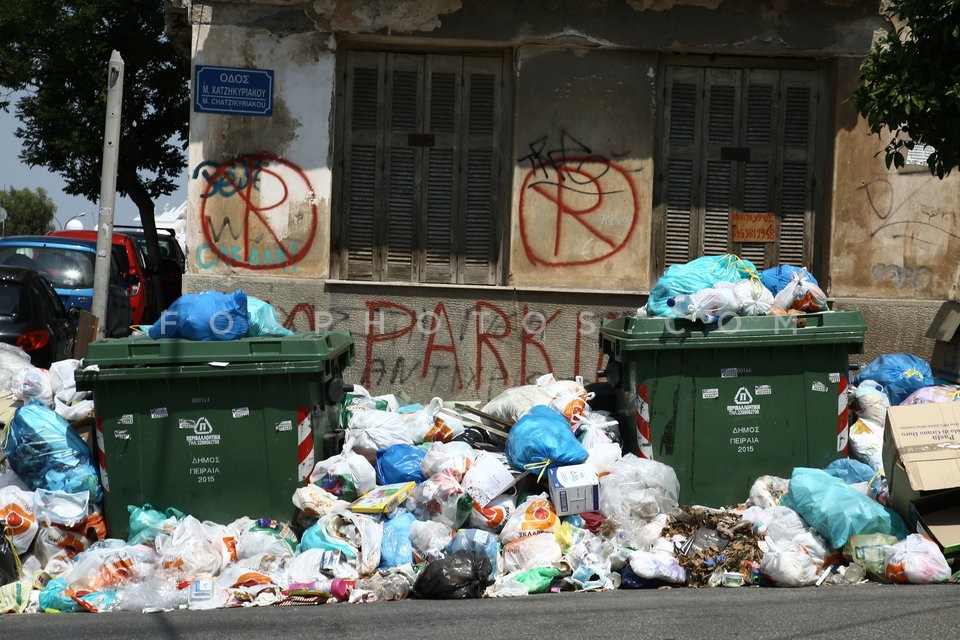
(945, 329)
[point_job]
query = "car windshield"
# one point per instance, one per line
(64, 267)
(9, 298)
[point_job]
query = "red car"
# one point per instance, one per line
(132, 263)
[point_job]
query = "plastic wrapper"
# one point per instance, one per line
(787, 564)
(870, 552)
(206, 316)
(784, 525)
(766, 491)
(935, 394)
(12, 361)
(916, 560)
(48, 454)
(347, 475)
(541, 439)
(866, 443)
(109, 564)
(188, 552)
(851, 471)
(400, 463)
(440, 498)
(837, 511)
(800, 295)
(265, 536)
(16, 508)
(429, 540)
(372, 430)
(638, 489)
(688, 278)
(314, 565)
(395, 547)
(462, 574)
(900, 374)
(658, 565)
(535, 515)
(433, 423)
(531, 552)
(57, 542)
(871, 402)
(453, 458)
(262, 319)
(32, 383)
(153, 593)
(357, 536)
(495, 515)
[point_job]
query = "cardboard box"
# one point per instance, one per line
(938, 518)
(945, 329)
(921, 452)
(574, 489)
(383, 499)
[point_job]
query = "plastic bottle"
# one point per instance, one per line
(385, 587)
(682, 305)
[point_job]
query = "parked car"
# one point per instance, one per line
(32, 317)
(133, 270)
(173, 262)
(68, 263)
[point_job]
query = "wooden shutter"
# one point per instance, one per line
(478, 240)
(799, 100)
(360, 174)
(723, 98)
(404, 86)
(682, 150)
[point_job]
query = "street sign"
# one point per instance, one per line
(236, 91)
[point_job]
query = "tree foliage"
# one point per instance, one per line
(57, 52)
(910, 83)
(28, 212)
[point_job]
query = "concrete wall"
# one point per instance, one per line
(585, 82)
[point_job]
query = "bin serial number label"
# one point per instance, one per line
(745, 440)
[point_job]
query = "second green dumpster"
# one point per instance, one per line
(726, 403)
(218, 430)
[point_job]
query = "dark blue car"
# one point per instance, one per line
(68, 264)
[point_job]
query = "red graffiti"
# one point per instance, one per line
(604, 205)
(260, 165)
(441, 312)
(484, 338)
(373, 337)
(305, 309)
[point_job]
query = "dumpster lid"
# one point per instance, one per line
(827, 327)
(142, 350)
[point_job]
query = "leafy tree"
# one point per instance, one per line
(57, 51)
(28, 212)
(910, 83)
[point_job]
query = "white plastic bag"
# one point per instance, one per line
(16, 507)
(531, 552)
(434, 423)
(429, 540)
(316, 501)
(347, 475)
(535, 515)
(30, 383)
(766, 491)
(12, 361)
(638, 489)
(60, 507)
(872, 402)
(493, 516)
(658, 565)
(372, 430)
(787, 564)
(56, 542)
(454, 458)
(188, 552)
(754, 298)
(866, 443)
(800, 294)
(916, 560)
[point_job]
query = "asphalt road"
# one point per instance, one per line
(872, 611)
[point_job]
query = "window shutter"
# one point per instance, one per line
(404, 88)
(723, 102)
(442, 189)
(685, 87)
(360, 194)
(799, 98)
(479, 237)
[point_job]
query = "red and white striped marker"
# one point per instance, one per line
(101, 456)
(642, 411)
(304, 443)
(843, 415)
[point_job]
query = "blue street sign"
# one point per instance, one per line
(242, 92)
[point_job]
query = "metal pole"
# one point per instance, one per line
(108, 191)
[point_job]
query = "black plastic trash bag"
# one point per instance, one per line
(461, 574)
(9, 560)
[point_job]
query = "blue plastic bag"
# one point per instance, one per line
(46, 453)
(542, 438)
(316, 537)
(836, 510)
(206, 317)
(400, 463)
(146, 523)
(395, 546)
(696, 275)
(776, 278)
(900, 374)
(850, 471)
(263, 321)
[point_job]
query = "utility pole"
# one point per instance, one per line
(108, 191)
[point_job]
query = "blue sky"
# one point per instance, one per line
(13, 173)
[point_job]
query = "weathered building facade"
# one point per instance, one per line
(472, 187)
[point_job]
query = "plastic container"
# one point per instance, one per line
(218, 430)
(724, 404)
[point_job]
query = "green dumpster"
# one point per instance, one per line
(726, 403)
(218, 430)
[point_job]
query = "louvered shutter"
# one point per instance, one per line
(723, 127)
(799, 97)
(405, 90)
(759, 171)
(682, 150)
(477, 248)
(359, 193)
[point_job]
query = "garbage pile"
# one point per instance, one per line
(529, 493)
(714, 288)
